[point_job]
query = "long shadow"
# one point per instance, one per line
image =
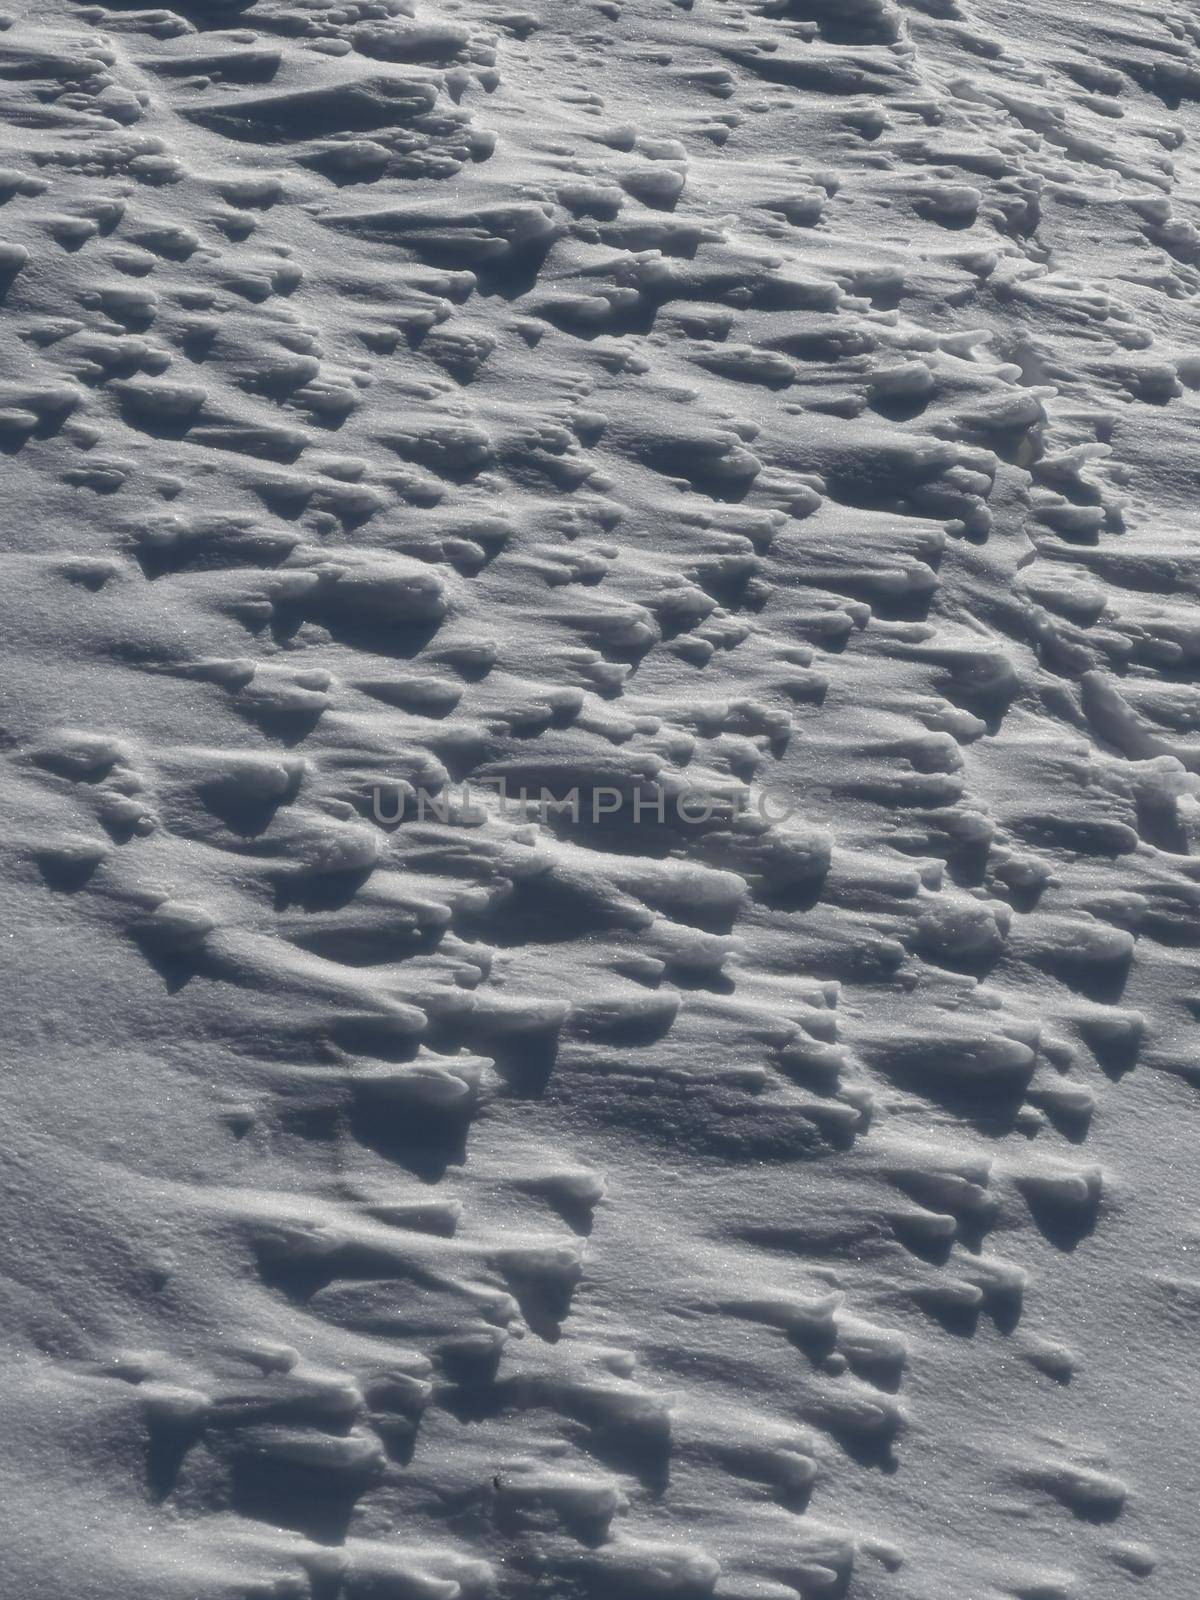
(238, 64)
(327, 891)
(202, 14)
(1116, 1052)
(401, 640)
(64, 873)
(319, 1505)
(168, 1441)
(426, 1145)
(1063, 1226)
(241, 813)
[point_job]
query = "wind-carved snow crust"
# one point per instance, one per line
(791, 405)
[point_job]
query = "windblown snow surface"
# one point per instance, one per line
(794, 402)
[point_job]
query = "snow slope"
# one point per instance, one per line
(793, 403)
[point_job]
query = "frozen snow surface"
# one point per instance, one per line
(794, 403)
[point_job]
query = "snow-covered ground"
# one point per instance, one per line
(764, 1165)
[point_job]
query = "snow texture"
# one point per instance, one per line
(413, 1196)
